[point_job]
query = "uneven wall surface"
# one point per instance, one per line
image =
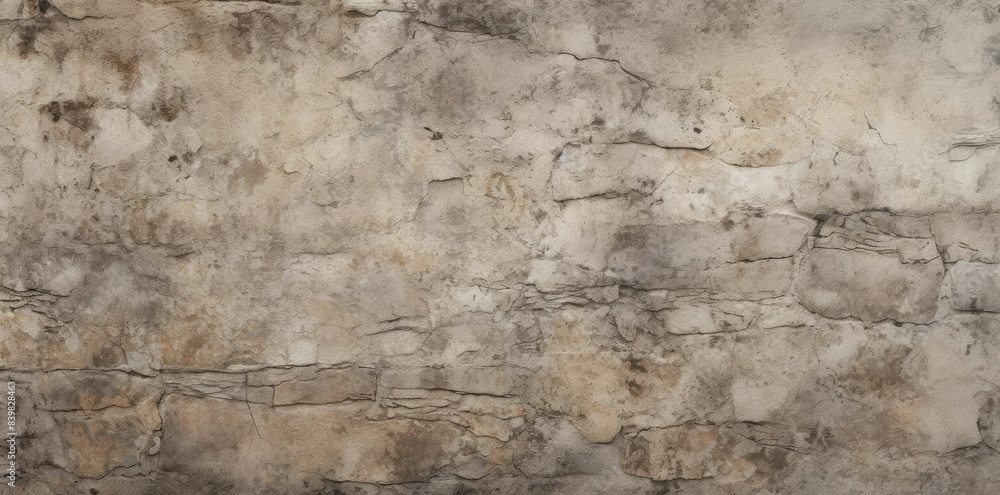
(513, 247)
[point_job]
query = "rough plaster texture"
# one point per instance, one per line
(515, 247)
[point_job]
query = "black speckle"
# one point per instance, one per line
(93, 491)
(43, 6)
(173, 158)
(697, 130)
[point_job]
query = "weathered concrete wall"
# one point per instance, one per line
(453, 247)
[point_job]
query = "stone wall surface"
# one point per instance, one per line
(540, 247)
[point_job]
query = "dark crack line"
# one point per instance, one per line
(610, 60)
(246, 399)
(377, 62)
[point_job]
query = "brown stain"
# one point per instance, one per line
(71, 391)
(481, 17)
(242, 41)
(199, 34)
(766, 157)
(567, 334)
(126, 67)
(499, 187)
(356, 262)
(73, 112)
(767, 110)
(413, 263)
(745, 243)
(102, 443)
(167, 105)
(60, 51)
(193, 344)
(690, 156)
(877, 370)
(645, 375)
(652, 453)
(634, 388)
(769, 461)
(89, 400)
(589, 389)
(93, 445)
(703, 438)
(637, 364)
(415, 452)
(879, 428)
(108, 357)
(257, 33)
(641, 137)
(735, 17)
(433, 378)
(631, 237)
(185, 350)
(247, 177)
(636, 458)
(397, 257)
(98, 350)
(196, 434)
(450, 95)
(27, 35)
(138, 228)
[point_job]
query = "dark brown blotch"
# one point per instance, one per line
(168, 105)
(74, 112)
(482, 17)
(27, 35)
(127, 68)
